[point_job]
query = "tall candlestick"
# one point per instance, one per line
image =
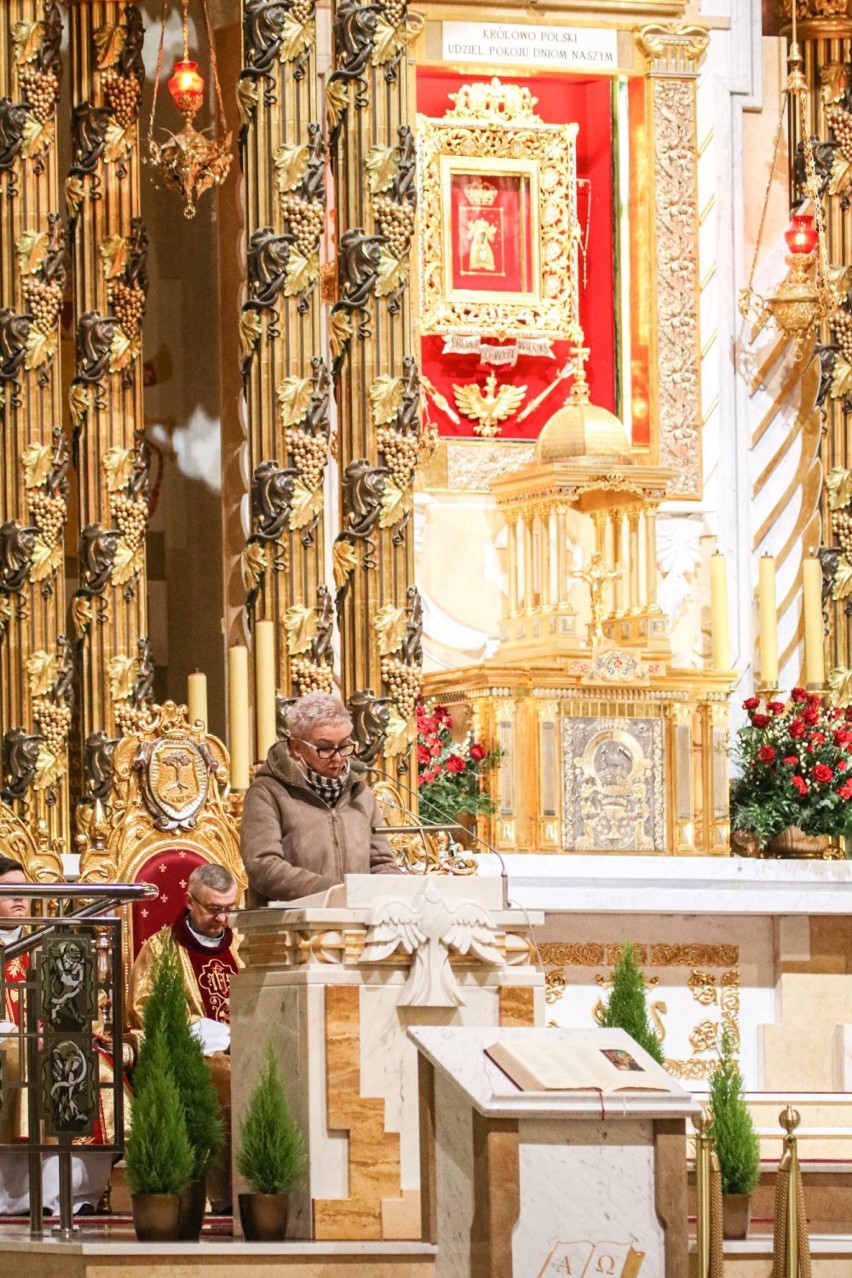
(238, 716)
(814, 634)
(768, 617)
(196, 697)
(264, 686)
(719, 632)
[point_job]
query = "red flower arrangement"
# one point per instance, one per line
(795, 760)
(449, 771)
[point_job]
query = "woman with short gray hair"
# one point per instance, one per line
(308, 820)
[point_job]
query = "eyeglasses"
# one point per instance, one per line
(213, 910)
(328, 752)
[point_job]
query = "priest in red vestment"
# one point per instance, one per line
(208, 956)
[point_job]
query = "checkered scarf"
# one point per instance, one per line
(329, 789)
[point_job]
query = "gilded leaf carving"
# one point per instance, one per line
(291, 165)
(31, 247)
(396, 505)
(344, 557)
(385, 398)
(302, 272)
(49, 768)
(294, 396)
(81, 614)
(300, 624)
(841, 378)
(389, 624)
(296, 38)
(340, 333)
(27, 37)
(41, 670)
(122, 670)
(117, 466)
(306, 505)
(399, 734)
(41, 347)
(253, 565)
(249, 333)
(80, 399)
(38, 136)
(36, 460)
(128, 562)
(114, 252)
(838, 483)
(392, 273)
(842, 587)
(840, 683)
(383, 166)
(336, 102)
(124, 350)
(247, 98)
(74, 195)
(117, 142)
(109, 42)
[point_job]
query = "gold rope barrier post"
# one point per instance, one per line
(791, 1253)
(708, 1184)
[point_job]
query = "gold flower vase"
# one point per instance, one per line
(794, 845)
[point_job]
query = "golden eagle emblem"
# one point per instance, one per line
(490, 406)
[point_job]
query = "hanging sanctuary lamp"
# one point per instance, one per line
(189, 161)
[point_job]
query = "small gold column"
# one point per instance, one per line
(620, 591)
(562, 556)
(633, 566)
(529, 571)
(650, 519)
(512, 567)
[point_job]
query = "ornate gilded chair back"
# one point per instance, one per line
(39, 856)
(169, 812)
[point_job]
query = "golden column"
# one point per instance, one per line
(287, 382)
(36, 659)
(109, 250)
(376, 375)
(826, 48)
(673, 55)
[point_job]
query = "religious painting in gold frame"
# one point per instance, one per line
(498, 218)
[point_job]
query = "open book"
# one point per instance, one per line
(583, 1065)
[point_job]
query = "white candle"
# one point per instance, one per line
(264, 687)
(768, 617)
(196, 698)
(238, 716)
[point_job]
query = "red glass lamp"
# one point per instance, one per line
(187, 87)
(801, 235)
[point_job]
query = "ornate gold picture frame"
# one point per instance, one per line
(498, 218)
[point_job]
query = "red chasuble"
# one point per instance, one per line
(16, 970)
(213, 967)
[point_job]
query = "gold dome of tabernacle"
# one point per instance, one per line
(582, 431)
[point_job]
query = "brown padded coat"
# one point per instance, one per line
(294, 843)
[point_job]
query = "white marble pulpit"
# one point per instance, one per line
(542, 1184)
(335, 982)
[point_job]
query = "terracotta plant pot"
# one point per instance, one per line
(156, 1216)
(793, 843)
(736, 1214)
(193, 1200)
(264, 1216)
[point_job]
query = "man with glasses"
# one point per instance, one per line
(308, 819)
(208, 959)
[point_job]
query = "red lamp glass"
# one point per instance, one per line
(187, 87)
(801, 235)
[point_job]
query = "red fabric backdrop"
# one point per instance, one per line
(169, 870)
(561, 100)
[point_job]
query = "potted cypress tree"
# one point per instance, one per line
(736, 1142)
(158, 1155)
(166, 1015)
(270, 1156)
(627, 1007)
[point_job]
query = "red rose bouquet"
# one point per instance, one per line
(796, 761)
(449, 772)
